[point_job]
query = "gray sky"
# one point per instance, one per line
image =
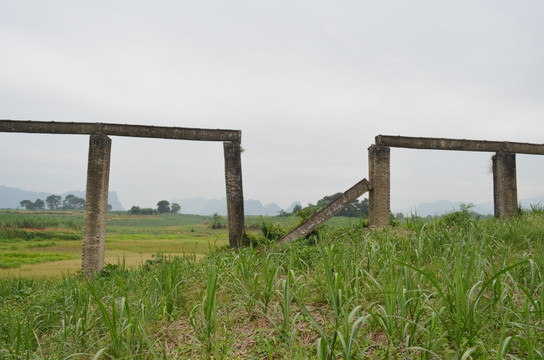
(309, 83)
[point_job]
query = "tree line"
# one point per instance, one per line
(56, 202)
(163, 207)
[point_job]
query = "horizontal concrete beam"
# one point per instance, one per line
(328, 211)
(458, 144)
(159, 132)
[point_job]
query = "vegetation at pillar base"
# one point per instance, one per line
(442, 289)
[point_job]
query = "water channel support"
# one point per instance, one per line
(235, 194)
(505, 191)
(379, 196)
(96, 204)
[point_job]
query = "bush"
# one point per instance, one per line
(272, 231)
(461, 217)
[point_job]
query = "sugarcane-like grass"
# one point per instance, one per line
(461, 289)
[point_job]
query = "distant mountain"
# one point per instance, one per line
(292, 206)
(442, 207)
(10, 197)
(534, 201)
(201, 206)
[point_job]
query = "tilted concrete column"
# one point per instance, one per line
(96, 204)
(379, 196)
(235, 194)
(505, 190)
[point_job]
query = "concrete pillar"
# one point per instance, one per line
(235, 194)
(505, 191)
(96, 204)
(379, 197)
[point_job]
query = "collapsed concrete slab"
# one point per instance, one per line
(327, 212)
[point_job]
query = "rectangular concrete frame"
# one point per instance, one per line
(504, 170)
(98, 173)
(327, 212)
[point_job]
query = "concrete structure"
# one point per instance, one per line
(327, 212)
(96, 203)
(235, 198)
(505, 192)
(94, 235)
(157, 132)
(458, 144)
(504, 170)
(379, 197)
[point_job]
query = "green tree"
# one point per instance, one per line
(53, 201)
(72, 202)
(217, 221)
(27, 204)
(39, 204)
(175, 208)
(163, 206)
(135, 210)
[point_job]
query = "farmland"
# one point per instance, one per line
(30, 242)
(450, 288)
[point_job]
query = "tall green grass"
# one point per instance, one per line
(462, 289)
(31, 220)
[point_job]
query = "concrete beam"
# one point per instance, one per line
(458, 144)
(96, 204)
(159, 132)
(235, 194)
(327, 212)
(505, 191)
(379, 197)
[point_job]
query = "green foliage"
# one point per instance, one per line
(14, 220)
(9, 260)
(461, 217)
(428, 290)
(217, 221)
(21, 234)
(136, 210)
(27, 204)
(175, 208)
(163, 206)
(53, 202)
(72, 202)
(272, 231)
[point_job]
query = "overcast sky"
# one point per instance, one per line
(309, 83)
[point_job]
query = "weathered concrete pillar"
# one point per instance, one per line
(505, 190)
(235, 193)
(96, 204)
(379, 196)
